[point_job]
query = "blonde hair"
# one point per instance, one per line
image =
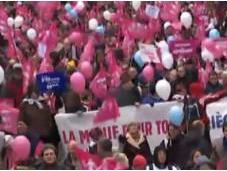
(132, 124)
(122, 159)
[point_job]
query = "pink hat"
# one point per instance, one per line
(139, 162)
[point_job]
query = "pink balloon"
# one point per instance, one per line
(148, 73)
(77, 81)
(86, 69)
(76, 37)
(208, 44)
(218, 51)
(21, 148)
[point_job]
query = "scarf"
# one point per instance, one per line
(134, 143)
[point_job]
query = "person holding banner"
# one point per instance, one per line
(136, 143)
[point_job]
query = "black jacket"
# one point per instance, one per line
(191, 142)
(131, 151)
(173, 149)
(56, 166)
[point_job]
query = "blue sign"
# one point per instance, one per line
(51, 82)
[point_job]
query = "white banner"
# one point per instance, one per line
(217, 113)
(153, 122)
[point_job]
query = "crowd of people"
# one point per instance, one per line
(97, 46)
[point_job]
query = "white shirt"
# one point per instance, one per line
(156, 168)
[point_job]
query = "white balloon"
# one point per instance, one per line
(186, 19)
(80, 5)
(207, 55)
(2, 75)
(18, 21)
(107, 15)
(93, 24)
(10, 21)
(31, 34)
(167, 60)
(163, 89)
(136, 5)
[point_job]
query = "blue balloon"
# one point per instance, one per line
(68, 7)
(170, 39)
(176, 115)
(138, 59)
(73, 13)
(100, 29)
(214, 34)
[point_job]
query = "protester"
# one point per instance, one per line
(195, 139)
(95, 134)
(191, 164)
(71, 161)
(112, 55)
(160, 160)
(204, 163)
(136, 143)
(122, 159)
(49, 159)
(213, 85)
(173, 145)
(104, 148)
(128, 94)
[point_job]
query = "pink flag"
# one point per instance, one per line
(9, 117)
(98, 85)
(7, 102)
(88, 161)
(89, 51)
(28, 72)
(109, 163)
(128, 46)
(170, 11)
(114, 70)
(109, 110)
(38, 149)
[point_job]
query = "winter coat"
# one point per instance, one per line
(54, 166)
(69, 165)
(210, 88)
(127, 97)
(173, 148)
(156, 164)
(131, 149)
(39, 119)
(191, 142)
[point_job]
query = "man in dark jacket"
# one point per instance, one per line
(173, 145)
(128, 93)
(49, 159)
(195, 140)
(213, 85)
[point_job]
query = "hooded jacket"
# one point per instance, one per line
(156, 165)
